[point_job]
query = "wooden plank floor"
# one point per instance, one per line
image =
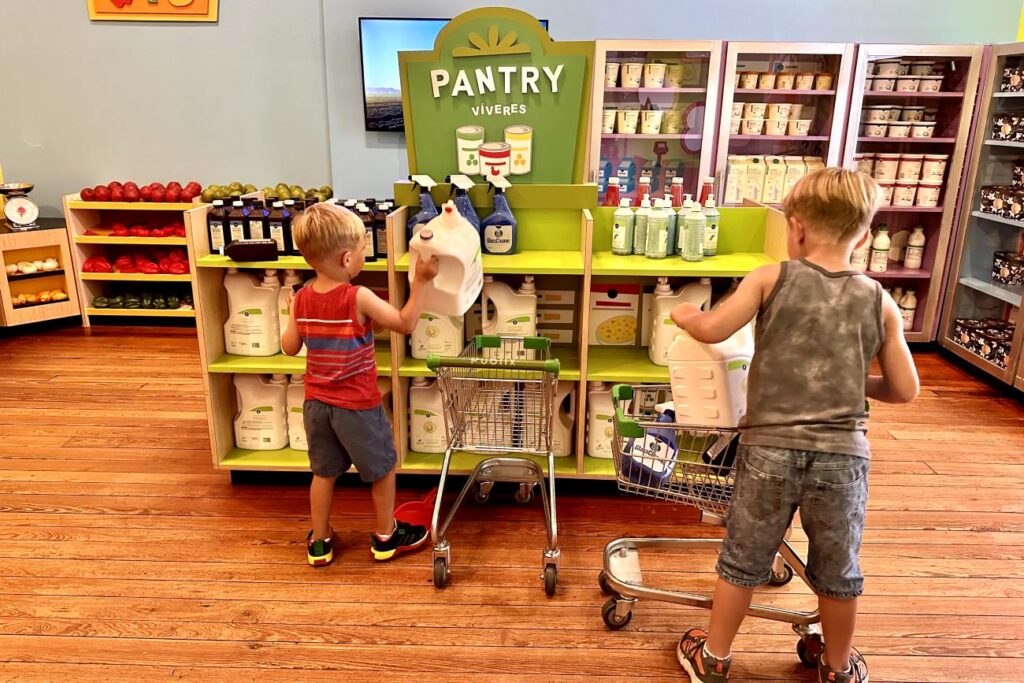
(123, 555)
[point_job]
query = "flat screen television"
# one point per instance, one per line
(380, 40)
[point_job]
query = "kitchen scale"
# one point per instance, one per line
(20, 211)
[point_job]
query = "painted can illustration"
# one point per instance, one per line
(495, 158)
(520, 139)
(467, 141)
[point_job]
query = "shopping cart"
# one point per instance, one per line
(700, 473)
(498, 397)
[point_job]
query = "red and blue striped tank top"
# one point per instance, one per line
(340, 366)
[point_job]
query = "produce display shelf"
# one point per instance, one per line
(144, 312)
(33, 276)
(569, 370)
(945, 94)
(781, 138)
(1004, 143)
(723, 265)
(286, 459)
(598, 468)
(282, 263)
(523, 263)
(282, 364)
(463, 463)
(910, 209)
(937, 141)
(651, 136)
(136, 277)
(900, 273)
(107, 239)
(656, 90)
(997, 219)
(1011, 295)
(130, 206)
(623, 364)
(773, 91)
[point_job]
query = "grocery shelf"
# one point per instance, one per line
(523, 263)
(945, 94)
(144, 312)
(623, 364)
(106, 239)
(286, 459)
(901, 273)
(939, 141)
(656, 90)
(35, 275)
(1008, 94)
(997, 219)
(1004, 143)
(136, 277)
(598, 468)
(131, 206)
(569, 370)
(521, 196)
(1011, 295)
(723, 265)
(773, 91)
(781, 138)
(651, 136)
(282, 263)
(910, 209)
(463, 463)
(281, 363)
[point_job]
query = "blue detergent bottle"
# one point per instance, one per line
(461, 186)
(428, 210)
(499, 230)
(650, 461)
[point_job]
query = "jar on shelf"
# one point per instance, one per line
(907, 83)
(910, 167)
(911, 113)
(922, 129)
(884, 84)
(886, 166)
(904, 193)
(865, 163)
(899, 129)
(933, 167)
(877, 113)
(928, 194)
(930, 84)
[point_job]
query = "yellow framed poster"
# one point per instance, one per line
(152, 10)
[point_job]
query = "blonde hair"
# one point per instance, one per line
(834, 203)
(323, 230)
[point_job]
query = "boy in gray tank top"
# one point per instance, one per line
(803, 440)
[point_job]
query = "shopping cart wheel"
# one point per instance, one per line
(809, 649)
(550, 579)
(781, 578)
(440, 572)
(525, 493)
(610, 619)
(482, 497)
(602, 581)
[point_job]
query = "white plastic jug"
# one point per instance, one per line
(284, 314)
(563, 419)
(426, 422)
(515, 311)
(709, 381)
(663, 330)
(296, 396)
(456, 244)
(600, 432)
(252, 328)
(260, 423)
(435, 333)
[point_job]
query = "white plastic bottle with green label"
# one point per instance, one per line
(914, 255)
(426, 421)
(622, 229)
(712, 218)
(296, 397)
(880, 250)
(515, 311)
(861, 255)
(663, 330)
(673, 224)
(436, 333)
(693, 234)
(253, 327)
(563, 419)
(600, 432)
(908, 309)
(657, 231)
(642, 216)
(680, 217)
(291, 278)
(260, 423)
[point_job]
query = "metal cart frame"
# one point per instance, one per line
(498, 397)
(700, 475)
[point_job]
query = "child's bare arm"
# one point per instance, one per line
(722, 322)
(291, 342)
(898, 382)
(371, 306)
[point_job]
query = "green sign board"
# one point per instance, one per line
(496, 96)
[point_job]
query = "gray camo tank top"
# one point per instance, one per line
(817, 333)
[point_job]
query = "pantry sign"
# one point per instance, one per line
(497, 97)
(152, 10)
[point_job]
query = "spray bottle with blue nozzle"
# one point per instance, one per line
(499, 229)
(428, 210)
(461, 185)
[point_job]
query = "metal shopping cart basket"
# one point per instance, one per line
(701, 473)
(498, 397)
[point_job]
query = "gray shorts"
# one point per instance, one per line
(831, 492)
(339, 438)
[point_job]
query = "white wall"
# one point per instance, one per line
(246, 98)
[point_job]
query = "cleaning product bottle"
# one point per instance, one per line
(515, 311)
(461, 185)
(428, 210)
(640, 220)
(650, 460)
(622, 229)
(712, 218)
(456, 244)
(611, 195)
(563, 419)
(663, 330)
(600, 432)
(908, 309)
(914, 256)
(672, 224)
(709, 381)
(880, 250)
(436, 333)
(252, 327)
(685, 208)
(499, 229)
(296, 396)
(426, 421)
(657, 231)
(693, 234)
(860, 256)
(291, 278)
(260, 423)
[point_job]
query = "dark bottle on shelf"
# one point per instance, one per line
(217, 226)
(276, 223)
(236, 222)
(380, 227)
(289, 213)
(370, 250)
(257, 221)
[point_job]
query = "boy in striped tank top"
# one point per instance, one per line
(343, 415)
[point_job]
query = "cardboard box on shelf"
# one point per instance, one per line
(756, 172)
(555, 316)
(556, 335)
(556, 297)
(774, 180)
(613, 314)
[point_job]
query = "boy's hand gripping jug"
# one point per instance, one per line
(709, 381)
(460, 273)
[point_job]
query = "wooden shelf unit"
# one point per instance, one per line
(31, 246)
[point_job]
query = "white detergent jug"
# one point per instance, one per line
(252, 328)
(515, 311)
(600, 432)
(456, 244)
(296, 396)
(709, 381)
(435, 333)
(563, 419)
(284, 314)
(426, 423)
(260, 423)
(663, 330)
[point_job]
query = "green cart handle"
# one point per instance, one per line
(493, 341)
(552, 365)
(628, 428)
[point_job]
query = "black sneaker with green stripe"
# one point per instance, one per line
(405, 538)
(320, 552)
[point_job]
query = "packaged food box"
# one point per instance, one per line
(1008, 268)
(613, 314)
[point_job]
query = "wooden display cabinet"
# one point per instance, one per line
(953, 107)
(35, 245)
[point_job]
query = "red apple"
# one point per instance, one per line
(159, 194)
(114, 185)
(87, 194)
(174, 185)
(146, 193)
(187, 195)
(131, 186)
(102, 193)
(173, 194)
(117, 195)
(194, 186)
(131, 194)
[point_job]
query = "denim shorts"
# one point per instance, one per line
(339, 438)
(831, 492)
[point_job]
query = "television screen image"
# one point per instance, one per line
(380, 41)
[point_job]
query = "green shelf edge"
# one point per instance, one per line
(570, 370)
(523, 196)
(287, 459)
(522, 263)
(283, 263)
(465, 462)
(280, 364)
(723, 265)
